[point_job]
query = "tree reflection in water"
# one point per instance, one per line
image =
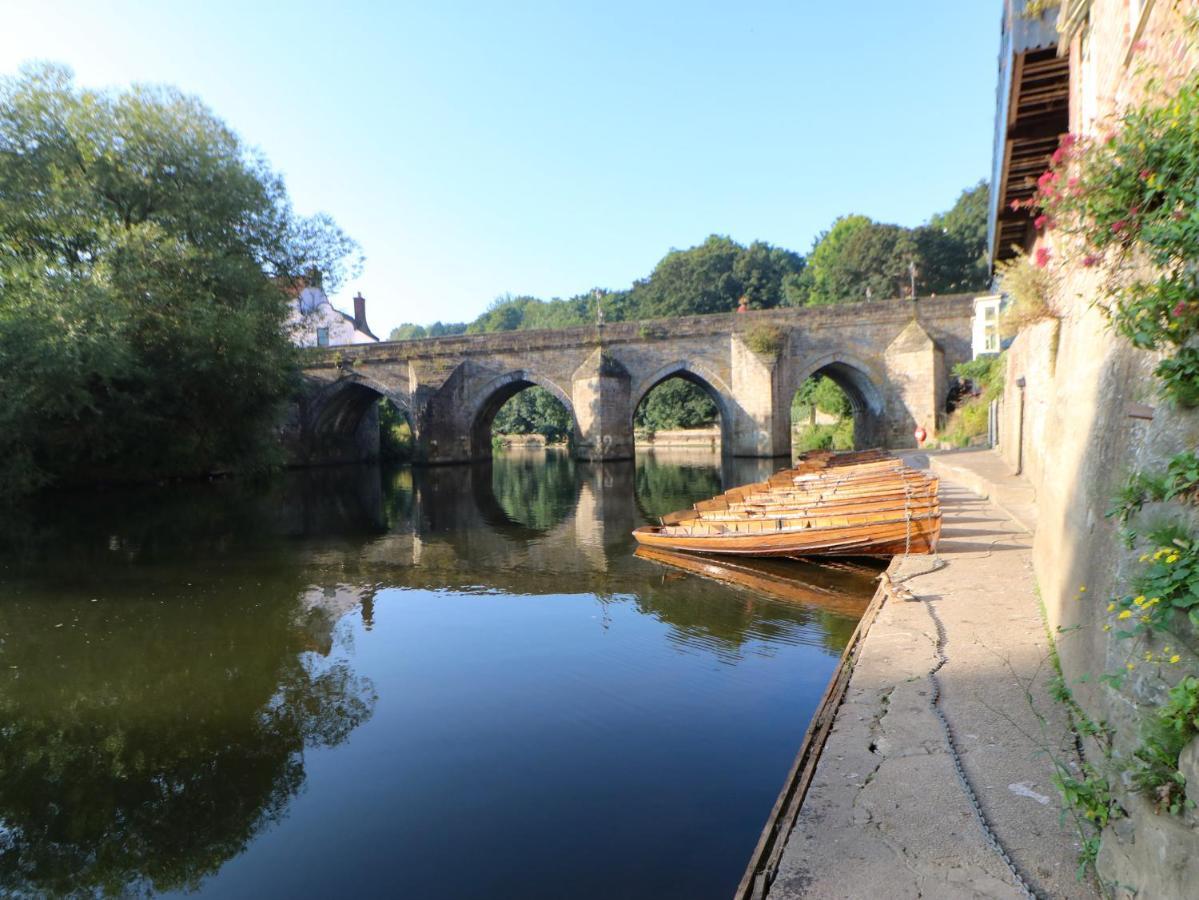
(155, 718)
(168, 657)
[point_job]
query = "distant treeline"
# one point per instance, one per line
(856, 259)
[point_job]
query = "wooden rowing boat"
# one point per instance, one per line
(865, 504)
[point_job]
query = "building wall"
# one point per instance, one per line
(1079, 443)
(311, 311)
(984, 336)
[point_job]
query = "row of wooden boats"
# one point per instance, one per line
(865, 503)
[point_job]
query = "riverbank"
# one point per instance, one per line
(885, 814)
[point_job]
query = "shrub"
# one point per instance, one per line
(767, 340)
(1163, 738)
(826, 437)
(1029, 288)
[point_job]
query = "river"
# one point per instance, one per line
(448, 682)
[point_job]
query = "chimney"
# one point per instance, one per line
(360, 312)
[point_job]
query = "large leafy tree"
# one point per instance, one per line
(859, 259)
(676, 403)
(144, 252)
(713, 276)
(966, 222)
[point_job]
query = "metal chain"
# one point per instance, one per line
(988, 832)
(980, 817)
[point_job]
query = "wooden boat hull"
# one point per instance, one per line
(858, 504)
(917, 535)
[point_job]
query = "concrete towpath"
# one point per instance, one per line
(885, 815)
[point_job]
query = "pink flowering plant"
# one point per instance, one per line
(1131, 199)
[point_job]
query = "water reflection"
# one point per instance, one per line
(174, 663)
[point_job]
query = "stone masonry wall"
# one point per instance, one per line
(891, 356)
(1083, 385)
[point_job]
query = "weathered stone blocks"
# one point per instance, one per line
(891, 357)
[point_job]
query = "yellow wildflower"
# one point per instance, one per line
(1139, 601)
(1144, 556)
(1172, 558)
(1127, 614)
(1148, 656)
(1111, 607)
(1174, 659)
(1131, 666)
(1107, 627)
(1082, 589)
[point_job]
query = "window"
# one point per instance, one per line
(322, 337)
(989, 313)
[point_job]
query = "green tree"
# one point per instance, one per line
(825, 260)
(411, 332)
(966, 222)
(712, 278)
(859, 258)
(533, 411)
(143, 251)
(676, 403)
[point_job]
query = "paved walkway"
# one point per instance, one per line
(885, 815)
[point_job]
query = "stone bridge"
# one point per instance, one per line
(892, 359)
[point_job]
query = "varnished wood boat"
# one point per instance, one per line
(887, 537)
(863, 504)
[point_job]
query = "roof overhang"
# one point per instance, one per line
(1032, 113)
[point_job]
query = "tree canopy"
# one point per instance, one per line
(856, 259)
(144, 252)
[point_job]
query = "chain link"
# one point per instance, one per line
(988, 832)
(980, 816)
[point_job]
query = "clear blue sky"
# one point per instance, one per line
(475, 149)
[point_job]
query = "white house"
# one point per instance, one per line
(985, 331)
(315, 323)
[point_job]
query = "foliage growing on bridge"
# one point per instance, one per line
(142, 249)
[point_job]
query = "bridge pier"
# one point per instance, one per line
(892, 359)
(601, 394)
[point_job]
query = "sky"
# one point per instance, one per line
(480, 149)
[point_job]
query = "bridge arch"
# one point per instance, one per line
(336, 421)
(491, 396)
(861, 384)
(703, 377)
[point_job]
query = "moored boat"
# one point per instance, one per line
(861, 504)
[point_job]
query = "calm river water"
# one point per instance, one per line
(455, 682)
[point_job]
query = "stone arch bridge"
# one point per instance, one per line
(892, 359)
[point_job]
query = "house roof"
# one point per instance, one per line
(365, 329)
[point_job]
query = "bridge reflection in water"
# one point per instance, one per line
(448, 681)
